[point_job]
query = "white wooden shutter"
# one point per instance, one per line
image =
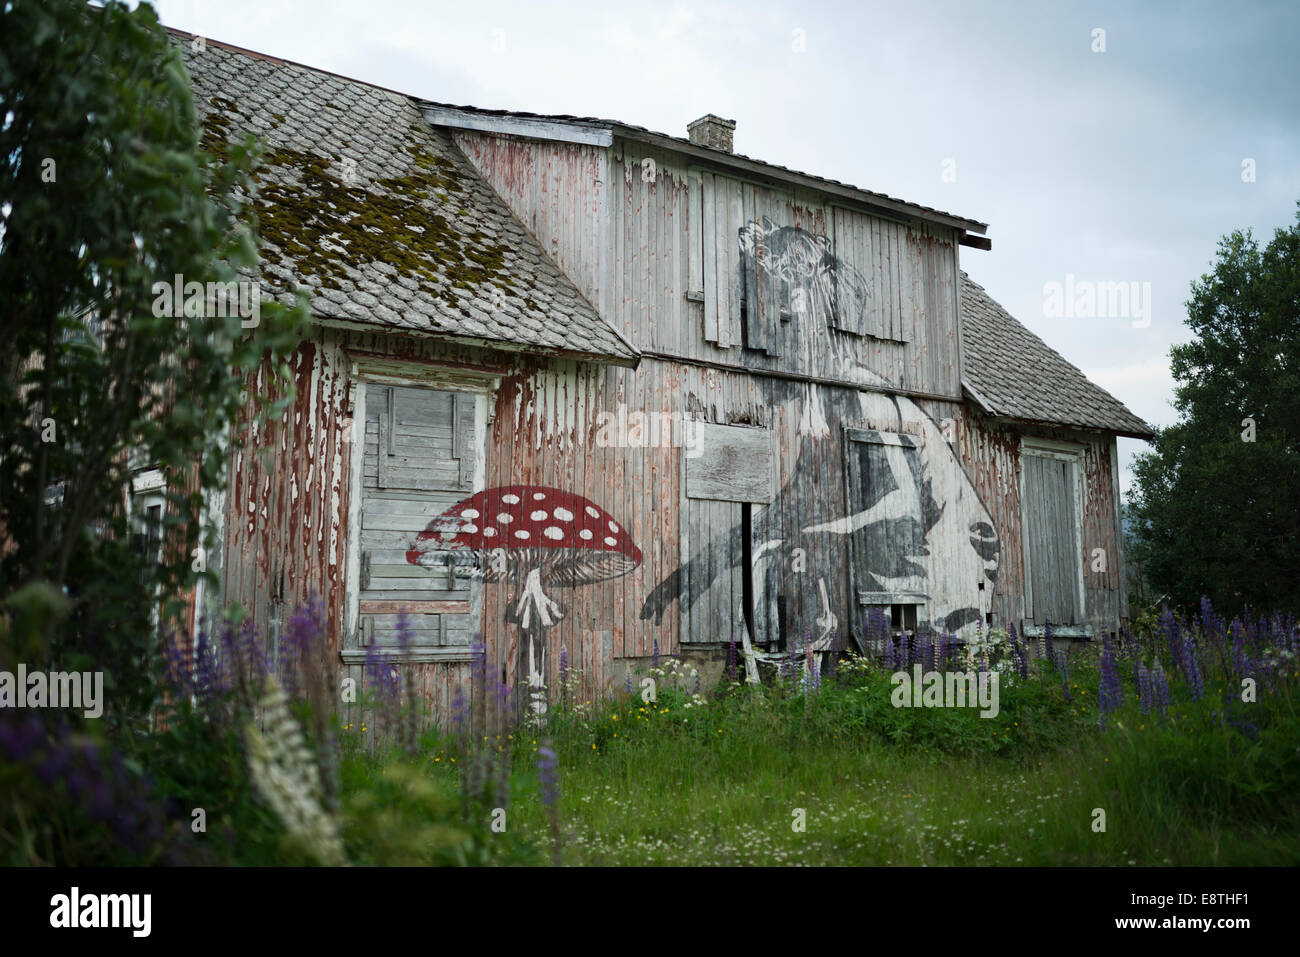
(419, 459)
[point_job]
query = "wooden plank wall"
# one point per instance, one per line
(556, 190)
(650, 210)
(990, 454)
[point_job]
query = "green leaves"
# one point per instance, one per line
(108, 194)
(1216, 501)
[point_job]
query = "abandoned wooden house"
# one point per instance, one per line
(576, 384)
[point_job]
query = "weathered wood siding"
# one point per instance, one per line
(795, 475)
(655, 244)
(991, 455)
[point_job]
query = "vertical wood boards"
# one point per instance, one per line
(1051, 517)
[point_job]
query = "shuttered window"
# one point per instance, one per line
(1053, 555)
(886, 521)
(763, 258)
(419, 459)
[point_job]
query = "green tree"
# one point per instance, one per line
(104, 193)
(1216, 502)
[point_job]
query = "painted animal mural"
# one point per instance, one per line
(540, 539)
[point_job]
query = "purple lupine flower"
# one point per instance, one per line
(1192, 671)
(654, 658)
(1173, 634)
(904, 651)
(878, 634)
(459, 711)
(304, 637)
(941, 651)
(731, 660)
(1108, 689)
(809, 659)
(1063, 669)
(1146, 695)
(627, 680)
(1018, 651)
(1047, 642)
(547, 762)
(890, 661)
(1211, 624)
(1160, 687)
(698, 682)
(405, 631)
(924, 651)
(20, 734)
(564, 669)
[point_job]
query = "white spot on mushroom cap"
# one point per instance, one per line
(585, 533)
(613, 528)
(563, 514)
(538, 516)
(611, 541)
(447, 536)
(505, 518)
(593, 512)
(510, 499)
(489, 532)
(553, 533)
(470, 529)
(538, 496)
(469, 513)
(522, 533)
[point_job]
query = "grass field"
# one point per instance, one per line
(1181, 747)
(728, 777)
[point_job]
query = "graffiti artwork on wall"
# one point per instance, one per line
(811, 280)
(914, 507)
(540, 539)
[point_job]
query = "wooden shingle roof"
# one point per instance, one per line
(380, 218)
(1013, 373)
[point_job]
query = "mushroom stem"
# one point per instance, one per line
(535, 613)
(532, 598)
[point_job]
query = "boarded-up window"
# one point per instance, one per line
(886, 518)
(1052, 550)
(731, 463)
(722, 215)
(763, 258)
(419, 459)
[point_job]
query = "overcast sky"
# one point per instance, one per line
(1122, 165)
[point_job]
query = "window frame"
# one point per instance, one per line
(365, 370)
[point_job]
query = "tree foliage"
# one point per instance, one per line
(1216, 504)
(104, 193)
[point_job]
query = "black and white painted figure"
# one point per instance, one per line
(918, 527)
(812, 283)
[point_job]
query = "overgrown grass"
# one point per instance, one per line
(1208, 779)
(1185, 744)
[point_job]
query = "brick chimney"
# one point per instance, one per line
(712, 131)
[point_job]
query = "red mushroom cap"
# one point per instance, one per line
(572, 539)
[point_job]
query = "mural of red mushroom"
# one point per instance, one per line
(539, 538)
